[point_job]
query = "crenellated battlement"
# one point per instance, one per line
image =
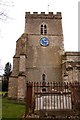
(57, 15)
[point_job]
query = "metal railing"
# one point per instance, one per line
(53, 96)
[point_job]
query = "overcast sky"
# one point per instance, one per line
(13, 27)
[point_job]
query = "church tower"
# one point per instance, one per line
(39, 52)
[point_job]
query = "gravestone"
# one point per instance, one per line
(53, 102)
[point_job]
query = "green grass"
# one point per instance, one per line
(11, 109)
(3, 93)
(0, 107)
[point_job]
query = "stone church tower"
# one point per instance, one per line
(39, 53)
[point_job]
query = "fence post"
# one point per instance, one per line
(29, 98)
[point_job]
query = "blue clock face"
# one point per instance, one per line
(44, 41)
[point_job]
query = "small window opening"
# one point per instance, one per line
(43, 29)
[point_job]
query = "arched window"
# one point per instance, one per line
(43, 29)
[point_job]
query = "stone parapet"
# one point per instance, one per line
(58, 15)
(72, 53)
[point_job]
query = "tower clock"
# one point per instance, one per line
(44, 41)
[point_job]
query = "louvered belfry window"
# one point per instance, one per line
(43, 29)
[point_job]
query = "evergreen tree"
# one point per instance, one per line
(7, 70)
(7, 73)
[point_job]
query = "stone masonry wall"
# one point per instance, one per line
(71, 67)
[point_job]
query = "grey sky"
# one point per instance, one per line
(12, 29)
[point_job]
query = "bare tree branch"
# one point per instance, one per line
(6, 3)
(3, 9)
